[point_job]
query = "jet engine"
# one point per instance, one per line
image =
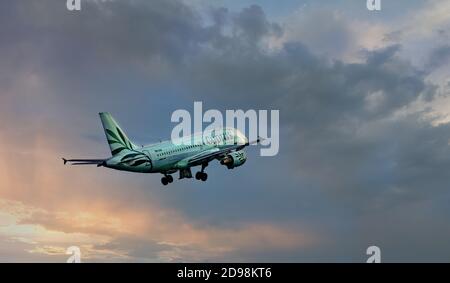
(234, 159)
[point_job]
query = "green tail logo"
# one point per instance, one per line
(119, 143)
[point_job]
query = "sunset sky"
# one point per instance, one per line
(364, 129)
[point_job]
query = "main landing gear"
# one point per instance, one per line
(185, 173)
(166, 179)
(201, 175)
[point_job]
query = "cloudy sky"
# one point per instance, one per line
(364, 100)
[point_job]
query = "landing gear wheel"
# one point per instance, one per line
(201, 176)
(164, 181)
(169, 178)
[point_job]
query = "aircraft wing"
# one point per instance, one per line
(205, 156)
(97, 162)
(211, 154)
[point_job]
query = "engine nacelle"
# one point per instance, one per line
(234, 159)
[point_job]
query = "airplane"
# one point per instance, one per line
(167, 157)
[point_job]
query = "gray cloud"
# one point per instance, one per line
(253, 24)
(439, 57)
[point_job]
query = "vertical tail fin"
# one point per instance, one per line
(117, 139)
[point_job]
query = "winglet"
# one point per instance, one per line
(65, 160)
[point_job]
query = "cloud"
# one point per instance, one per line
(252, 24)
(439, 57)
(358, 145)
(141, 236)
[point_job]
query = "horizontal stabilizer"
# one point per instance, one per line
(98, 162)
